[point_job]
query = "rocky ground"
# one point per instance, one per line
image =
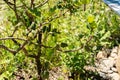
(108, 64)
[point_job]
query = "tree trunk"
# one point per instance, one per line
(38, 62)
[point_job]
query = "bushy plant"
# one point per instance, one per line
(53, 33)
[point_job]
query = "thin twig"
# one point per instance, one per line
(22, 46)
(9, 4)
(41, 24)
(10, 38)
(30, 28)
(15, 51)
(42, 4)
(8, 49)
(15, 10)
(16, 28)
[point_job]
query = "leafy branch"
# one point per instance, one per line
(74, 50)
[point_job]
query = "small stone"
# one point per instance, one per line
(118, 64)
(113, 55)
(114, 69)
(114, 50)
(105, 69)
(101, 55)
(114, 76)
(111, 58)
(108, 62)
(102, 74)
(109, 71)
(90, 68)
(119, 51)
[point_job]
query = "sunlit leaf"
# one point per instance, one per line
(90, 18)
(106, 35)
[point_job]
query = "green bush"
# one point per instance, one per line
(55, 33)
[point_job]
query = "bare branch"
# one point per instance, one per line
(44, 23)
(16, 28)
(26, 53)
(9, 4)
(32, 4)
(15, 10)
(6, 48)
(22, 46)
(14, 52)
(42, 4)
(29, 29)
(8, 38)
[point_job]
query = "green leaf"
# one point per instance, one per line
(33, 12)
(64, 44)
(106, 35)
(44, 29)
(85, 1)
(49, 28)
(104, 43)
(52, 10)
(5, 62)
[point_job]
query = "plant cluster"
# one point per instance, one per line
(54, 33)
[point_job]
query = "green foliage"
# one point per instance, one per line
(59, 32)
